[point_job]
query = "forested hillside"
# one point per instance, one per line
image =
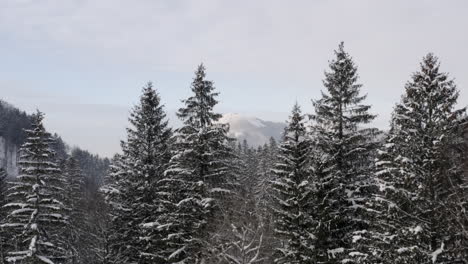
(333, 190)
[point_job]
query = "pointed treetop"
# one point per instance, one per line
(148, 90)
(201, 70)
(150, 107)
(429, 76)
(429, 94)
(341, 79)
(37, 118)
(295, 122)
(430, 64)
(341, 47)
(150, 103)
(37, 125)
(341, 54)
(296, 108)
(198, 110)
(430, 59)
(296, 116)
(149, 95)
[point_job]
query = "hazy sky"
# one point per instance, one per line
(84, 62)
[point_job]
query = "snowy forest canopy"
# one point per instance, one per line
(333, 190)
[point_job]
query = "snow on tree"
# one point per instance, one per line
(263, 161)
(293, 194)
(266, 156)
(344, 143)
(247, 245)
(4, 239)
(133, 189)
(115, 199)
(244, 231)
(199, 179)
(74, 200)
(36, 214)
(420, 176)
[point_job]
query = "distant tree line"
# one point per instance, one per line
(334, 190)
(13, 123)
(15, 128)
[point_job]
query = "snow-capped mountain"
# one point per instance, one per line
(256, 131)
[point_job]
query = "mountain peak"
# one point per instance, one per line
(255, 130)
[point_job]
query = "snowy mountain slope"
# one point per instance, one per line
(256, 131)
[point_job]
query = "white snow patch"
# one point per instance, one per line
(335, 251)
(416, 230)
(436, 253)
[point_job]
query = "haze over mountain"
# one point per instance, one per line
(255, 130)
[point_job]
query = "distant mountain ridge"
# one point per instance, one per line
(14, 121)
(255, 130)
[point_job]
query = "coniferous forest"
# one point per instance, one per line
(333, 190)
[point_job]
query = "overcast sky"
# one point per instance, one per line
(84, 62)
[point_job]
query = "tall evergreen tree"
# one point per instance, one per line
(4, 240)
(420, 174)
(199, 177)
(293, 194)
(115, 251)
(74, 200)
(36, 214)
(343, 167)
(266, 156)
(145, 157)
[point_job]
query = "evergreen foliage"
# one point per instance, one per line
(343, 168)
(199, 178)
(332, 191)
(133, 190)
(74, 200)
(293, 191)
(5, 241)
(420, 175)
(36, 213)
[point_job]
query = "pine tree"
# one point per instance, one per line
(247, 177)
(266, 156)
(114, 251)
(100, 232)
(145, 157)
(36, 214)
(4, 240)
(264, 164)
(260, 164)
(199, 178)
(293, 191)
(246, 246)
(148, 153)
(245, 240)
(420, 175)
(74, 200)
(343, 166)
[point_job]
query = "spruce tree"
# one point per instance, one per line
(293, 194)
(147, 152)
(244, 241)
(145, 157)
(344, 147)
(5, 241)
(200, 177)
(116, 198)
(420, 176)
(36, 213)
(246, 245)
(74, 200)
